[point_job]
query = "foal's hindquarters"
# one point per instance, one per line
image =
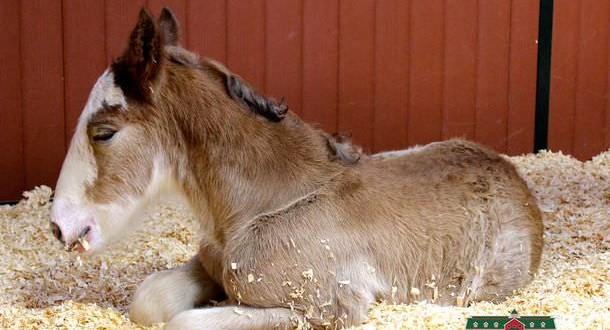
(451, 223)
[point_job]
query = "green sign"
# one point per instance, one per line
(512, 322)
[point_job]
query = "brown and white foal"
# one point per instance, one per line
(297, 225)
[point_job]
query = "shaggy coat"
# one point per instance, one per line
(297, 226)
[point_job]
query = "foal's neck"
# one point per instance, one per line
(253, 166)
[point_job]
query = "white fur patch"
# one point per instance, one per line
(165, 294)
(234, 317)
(79, 168)
(71, 210)
(162, 183)
(104, 91)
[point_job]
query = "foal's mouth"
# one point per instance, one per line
(81, 244)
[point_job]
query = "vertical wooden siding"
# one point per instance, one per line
(12, 169)
(393, 73)
(580, 85)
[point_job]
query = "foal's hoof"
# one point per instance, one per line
(163, 295)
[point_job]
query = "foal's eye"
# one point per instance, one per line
(103, 135)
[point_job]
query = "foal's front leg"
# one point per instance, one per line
(235, 318)
(165, 294)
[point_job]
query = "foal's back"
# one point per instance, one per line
(449, 219)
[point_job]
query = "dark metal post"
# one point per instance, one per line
(543, 79)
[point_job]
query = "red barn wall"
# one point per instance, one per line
(393, 73)
(580, 85)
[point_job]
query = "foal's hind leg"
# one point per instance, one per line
(516, 247)
(165, 294)
(234, 318)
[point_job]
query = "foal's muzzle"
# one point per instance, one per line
(58, 234)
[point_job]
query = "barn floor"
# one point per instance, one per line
(42, 286)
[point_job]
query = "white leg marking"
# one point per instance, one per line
(233, 318)
(165, 294)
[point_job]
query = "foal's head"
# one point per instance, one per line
(120, 153)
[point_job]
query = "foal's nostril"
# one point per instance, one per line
(57, 232)
(84, 231)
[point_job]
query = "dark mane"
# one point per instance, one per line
(237, 88)
(269, 108)
(339, 146)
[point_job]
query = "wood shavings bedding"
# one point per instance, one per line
(44, 287)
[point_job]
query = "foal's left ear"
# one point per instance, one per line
(169, 27)
(138, 69)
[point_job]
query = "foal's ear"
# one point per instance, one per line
(137, 70)
(169, 27)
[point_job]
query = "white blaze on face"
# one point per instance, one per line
(71, 211)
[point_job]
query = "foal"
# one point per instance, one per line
(298, 227)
